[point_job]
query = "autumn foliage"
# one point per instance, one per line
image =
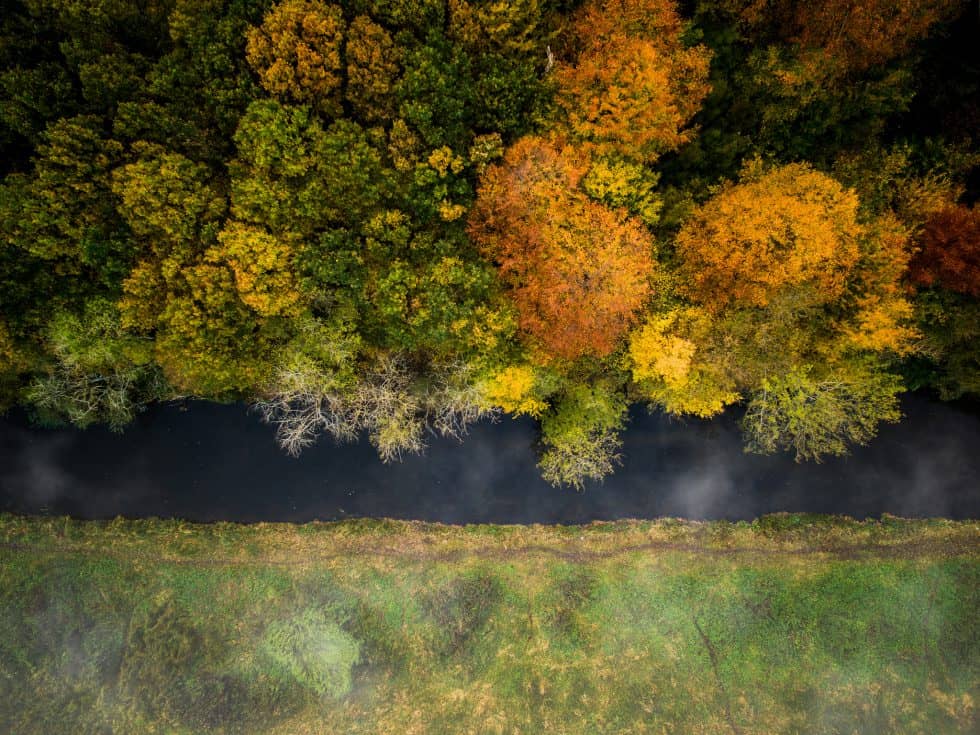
(372, 67)
(633, 87)
(578, 271)
(854, 34)
(382, 215)
(865, 33)
(261, 266)
(296, 52)
(791, 226)
(663, 357)
(950, 255)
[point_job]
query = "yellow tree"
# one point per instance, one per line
(633, 86)
(881, 317)
(262, 264)
(296, 53)
(208, 343)
(516, 389)
(578, 271)
(673, 364)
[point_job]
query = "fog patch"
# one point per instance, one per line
(703, 493)
(35, 470)
(312, 651)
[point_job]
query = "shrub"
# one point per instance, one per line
(312, 651)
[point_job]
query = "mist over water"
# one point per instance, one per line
(209, 462)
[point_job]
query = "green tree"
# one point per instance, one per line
(435, 94)
(950, 325)
(31, 98)
(419, 289)
(292, 175)
(813, 414)
(508, 47)
(203, 84)
(620, 183)
(166, 198)
(419, 16)
(98, 372)
(580, 434)
(71, 212)
(110, 78)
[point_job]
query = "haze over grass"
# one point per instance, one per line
(788, 625)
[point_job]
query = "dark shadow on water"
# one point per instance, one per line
(211, 462)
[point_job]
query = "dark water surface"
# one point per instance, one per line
(210, 462)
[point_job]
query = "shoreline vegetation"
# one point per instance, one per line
(789, 624)
(391, 218)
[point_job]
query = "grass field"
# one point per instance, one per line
(788, 625)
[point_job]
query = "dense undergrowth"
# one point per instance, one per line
(791, 624)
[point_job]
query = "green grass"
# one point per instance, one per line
(793, 624)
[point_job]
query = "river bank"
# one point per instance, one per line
(787, 624)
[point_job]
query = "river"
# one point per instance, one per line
(210, 462)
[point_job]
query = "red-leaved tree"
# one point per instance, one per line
(950, 255)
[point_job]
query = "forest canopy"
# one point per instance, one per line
(396, 217)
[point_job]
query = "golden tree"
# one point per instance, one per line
(633, 86)
(787, 227)
(578, 271)
(262, 265)
(372, 69)
(296, 53)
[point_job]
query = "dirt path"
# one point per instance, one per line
(907, 549)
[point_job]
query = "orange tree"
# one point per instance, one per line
(855, 35)
(577, 270)
(798, 306)
(865, 33)
(791, 226)
(633, 86)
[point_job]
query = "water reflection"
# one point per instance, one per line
(210, 462)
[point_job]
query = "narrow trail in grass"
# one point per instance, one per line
(910, 549)
(713, 656)
(786, 624)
